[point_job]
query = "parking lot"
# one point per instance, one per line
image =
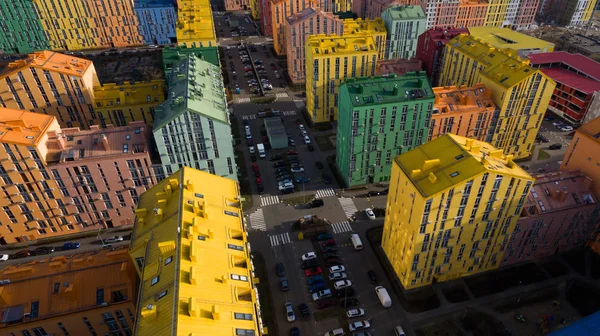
(235, 26)
(244, 63)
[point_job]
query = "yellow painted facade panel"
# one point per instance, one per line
(195, 25)
(496, 12)
(374, 27)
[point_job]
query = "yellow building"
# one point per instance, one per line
(452, 206)
(374, 27)
(255, 9)
(521, 92)
(54, 84)
(496, 12)
(329, 60)
(505, 38)
(120, 104)
(192, 254)
(195, 25)
(86, 293)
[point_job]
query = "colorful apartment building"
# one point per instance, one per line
(372, 9)
(192, 128)
(63, 181)
(75, 25)
(521, 14)
(453, 204)
(577, 84)
(329, 61)
(191, 251)
(121, 104)
(464, 111)
(171, 55)
(53, 84)
(298, 28)
(378, 119)
(195, 25)
(505, 38)
(157, 20)
(84, 293)
(397, 67)
(404, 25)
(496, 14)
(566, 12)
(266, 21)
(430, 50)
(237, 5)
(280, 11)
(373, 27)
(520, 92)
(583, 153)
(559, 214)
(471, 13)
(440, 13)
(255, 9)
(21, 31)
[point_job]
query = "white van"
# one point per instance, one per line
(336, 332)
(398, 331)
(384, 297)
(356, 241)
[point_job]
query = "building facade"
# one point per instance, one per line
(121, 104)
(195, 25)
(566, 12)
(79, 294)
(404, 25)
(577, 84)
(398, 67)
(496, 14)
(298, 28)
(192, 128)
(505, 38)
(440, 13)
(520, 14)
(374, 28)
(520, 92)
(236, 5)
(464, 111)
(430, 50)
(471, 13)
(453, 204)
(583, 153)
(329, 61)
(378, 119)
(255, 9)
(190, 246)
(21, 31)
(63, 181)
(372, 9)
(157, 20)
(171, 55)
(280, 11)
(54, 84)
(266, 17)
(559, 214)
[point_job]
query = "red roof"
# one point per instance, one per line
(572, 79)
(576, 61)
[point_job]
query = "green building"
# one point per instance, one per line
(21, 31)
(404, 24)
(192, 128)
(175, 54)
(276, 133)
(378, 119)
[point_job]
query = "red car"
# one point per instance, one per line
(255, 167)
(328, 242)
(258, 181)
(292, 152)
(313, 271)
(298, 121)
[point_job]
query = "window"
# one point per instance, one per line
(39, 331)
(117, 296)
(140, 262)
(56, 287)
(242, 316)
(128, 137)
(454, 174)
(35, 306)
(63, 329)
(162, 295)
(100, 296)
(125, 148)
(244, 332)
(155, 280)
(199, 195)
(168, 260)
(230, 213)
(239, 277)
(235, 247)
(26, 332)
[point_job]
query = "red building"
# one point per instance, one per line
(577, 79)
(430, 49)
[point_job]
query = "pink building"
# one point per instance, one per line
(297, 29)
(526, 13)
(235, 5)
(559, 214)
(266, 20)
(371, 9)
(398, 66)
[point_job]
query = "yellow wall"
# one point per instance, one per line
(412, 227)
(496, 12)
(323, 88)
(121, 104)
(588, 11)
(195, 25)
(375, 28)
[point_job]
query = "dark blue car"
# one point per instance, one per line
(316, 287)
(71, 246)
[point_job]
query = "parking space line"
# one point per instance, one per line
(325, 193)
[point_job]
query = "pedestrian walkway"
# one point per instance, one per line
(289, 113)
(257, 220)
(242, 100)
(249, 117)
(325, 192)
(341, 227)
(280, 239)
(282, 95)
(269, 200)
(348, 206)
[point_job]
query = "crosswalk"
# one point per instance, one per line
(249, 117)
(241, 100)
(269, 200)
(341, 227)
(280, 239)
(282, 95)
(289, 113)
(325, 192)
(257, 220)
(348, 206)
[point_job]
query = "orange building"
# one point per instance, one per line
(464, 111)
(583, 153)
(62, 181)
(397, 66)
(88, 293)
(53, 84)
(471, 13)
(280, 10)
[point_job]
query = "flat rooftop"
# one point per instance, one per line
(558, 191)
(398, 66)
(509, 39)
(23, 128)
(454, 99)
(129, 67)
(323, 46)
(405, 12)
(591, 129)
(388, 89)
(576, 63)
(51, 61)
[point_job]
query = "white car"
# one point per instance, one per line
(306, 139)
(289, 311)
(342, 284)
(359, 325)
(297, 169)
(252, 150)
(337, 269)
(114, 239)
(3, 257)
(352, 313)
(308, 256)
(301, 127)
(325, 293)
(370, 213)
(398, 331)
(337, 276)
(566, 128)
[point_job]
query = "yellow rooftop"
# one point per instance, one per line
(23, 128)
(195, 22)
(323, 46)
(358, 25)
(192, 252)
(51, 61)
(509, 39)
(451, 159)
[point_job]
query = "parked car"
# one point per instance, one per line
(280, 269)
(330, 254)
(304, 311)
(316, 287)
(326, 303)
(359, 325)
(113, 239)
(309, 263)
(315, 279)
(315, 204)
(372, 276)
(542, 138)
(3, 257)
(289, 311)
(302, 180)
(555, 146)
(21, 254)
(329, 249)
(352, 313)
(275, 157)
(308, 256)
(284, 284)
(313, 271)
(42, 250)
(334, 261)
(297, 169)
(328, 242)
(342, 284)
(71, 246)
(338, 268)
(345, 292)
(369, 212)
(337, 276)
(325, 293)
(295, 331)
(261, 189)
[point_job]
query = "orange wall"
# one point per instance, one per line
(471, 14)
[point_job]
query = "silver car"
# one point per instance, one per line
(289, 311)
